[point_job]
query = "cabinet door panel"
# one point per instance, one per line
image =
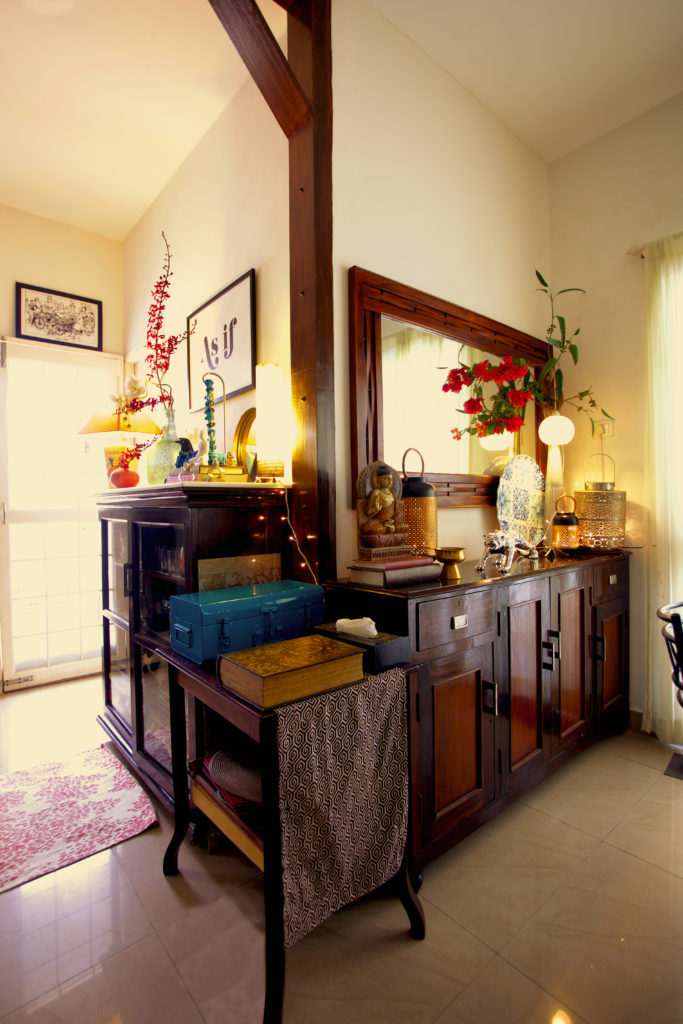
(611, 662)
(523, 733)
(526, 691)
(457, 766)
(457, 739)
(612, 667)
(571, 660)
(568, 638)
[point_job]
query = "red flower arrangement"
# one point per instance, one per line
(160, 349)
(504, 410)
(516, 383)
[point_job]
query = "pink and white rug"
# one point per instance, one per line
(57, 813)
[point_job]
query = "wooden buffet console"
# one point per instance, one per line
(509, 677)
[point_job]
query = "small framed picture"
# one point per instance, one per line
(223, 340)
(58, 317)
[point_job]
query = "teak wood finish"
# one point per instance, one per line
(509, 677)
(371, 297)
(298, 90)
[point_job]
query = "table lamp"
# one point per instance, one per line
(121, 423)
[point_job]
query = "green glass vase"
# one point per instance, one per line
(164, 452)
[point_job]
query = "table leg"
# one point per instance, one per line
(272, 876)
(181, 799)
(411, 902)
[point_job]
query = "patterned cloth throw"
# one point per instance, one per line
(343, 795)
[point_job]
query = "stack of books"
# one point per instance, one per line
(395, 572)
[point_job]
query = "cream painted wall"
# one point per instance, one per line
(223, 212)
(49, 254)
(620, 191)
(432, 190)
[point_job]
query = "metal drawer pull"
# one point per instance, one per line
(489, 695)
(459, 622)
(612, 580)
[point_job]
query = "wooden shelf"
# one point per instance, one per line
(204, 797)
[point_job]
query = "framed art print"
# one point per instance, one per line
(223, 340)
(42, 314)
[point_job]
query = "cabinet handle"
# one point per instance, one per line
(613, 579)
(553, 651)
(489, 698)
(599, 648)
(459, 622)
(547, 645)
(127, 579)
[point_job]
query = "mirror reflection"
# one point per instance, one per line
(419, 414)
(379, 306)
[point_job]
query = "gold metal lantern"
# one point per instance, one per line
(419, 510)
(565, 532)
(601, 509)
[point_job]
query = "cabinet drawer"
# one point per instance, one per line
(453, 618)
(610, 580)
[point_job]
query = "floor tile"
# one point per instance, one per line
(500, 993)
(638, 746)
(202, 877)
(362, 965)
(498, 877)
(609, 943)
(219, 951)
(62, 924)
(653, 828)
(27, 723)
(139, 985)
(593, 792)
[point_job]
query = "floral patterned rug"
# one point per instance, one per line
(57, 813)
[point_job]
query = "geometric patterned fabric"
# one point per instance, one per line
(343, 795)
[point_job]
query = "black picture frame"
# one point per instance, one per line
(59, 318)
(222, 340)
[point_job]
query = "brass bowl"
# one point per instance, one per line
(450, 558)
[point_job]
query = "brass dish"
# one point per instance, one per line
(450, 558)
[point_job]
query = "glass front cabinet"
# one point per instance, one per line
(157, 542)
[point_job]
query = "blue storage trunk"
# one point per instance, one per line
(209, 623)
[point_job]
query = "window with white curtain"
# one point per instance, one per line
(664, 291)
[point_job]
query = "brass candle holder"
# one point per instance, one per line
(450, 558)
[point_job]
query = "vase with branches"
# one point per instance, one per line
(154, 390)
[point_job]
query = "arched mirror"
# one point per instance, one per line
(403, 342)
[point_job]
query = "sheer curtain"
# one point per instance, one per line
(417, 413)
(664, 285)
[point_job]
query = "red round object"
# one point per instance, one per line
(124, 477)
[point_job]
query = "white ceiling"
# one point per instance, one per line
(558, 73)
(102, 100)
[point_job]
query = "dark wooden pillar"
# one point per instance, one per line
(298, 90)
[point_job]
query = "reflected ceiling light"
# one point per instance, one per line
(556, 429)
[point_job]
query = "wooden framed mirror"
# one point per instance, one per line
(375, 301)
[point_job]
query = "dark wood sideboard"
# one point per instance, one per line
(160, 541)
(509, 677)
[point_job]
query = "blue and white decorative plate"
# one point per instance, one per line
(521, 499)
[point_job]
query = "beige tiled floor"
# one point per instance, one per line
(568, 907)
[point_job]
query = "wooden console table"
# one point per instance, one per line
(264, 849)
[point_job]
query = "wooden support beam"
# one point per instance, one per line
(299, 92)
(309, 49)
(265, 61)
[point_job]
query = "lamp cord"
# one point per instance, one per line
(298, 546)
